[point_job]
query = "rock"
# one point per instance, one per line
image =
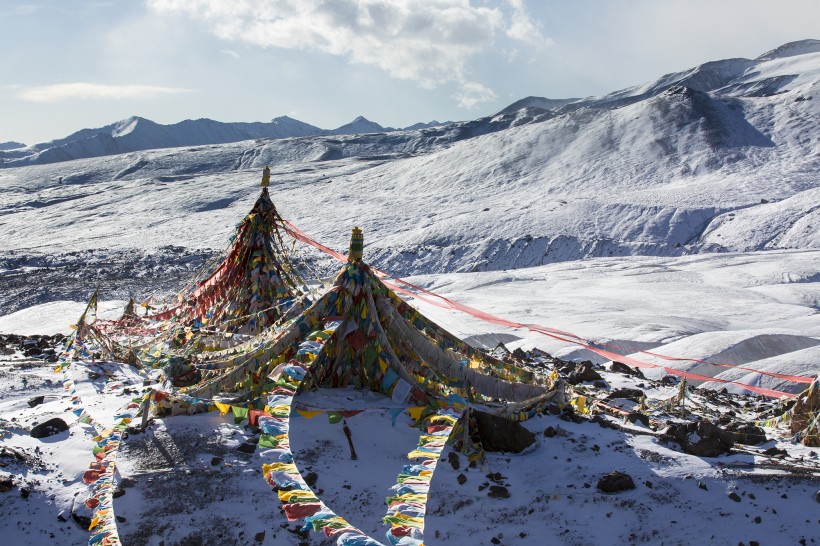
(734, 496)
(452, 458)
(702, 438)
(498, 492)
(36, 401)
(583, 372)
(215, 461)
(669, 380)
(495, 540)
(615, 481)
(461, 479)
(637, 417)
(311, 478)
(247, 448)
(702, 485)
(817, 496)
(630, 394)
(118, 492)
(49, 428)
(6, 484)
(776, 452)
(500, 434)
(259, 537)
(550, 431)
(601, 384)
(747, 434)
(620, 367)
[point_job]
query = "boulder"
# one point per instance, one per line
(620, 367)
(630, 394)
(615, 481)
(583, 372)
(747, 434)
(702, 438)
(49, 428)
(500, 434)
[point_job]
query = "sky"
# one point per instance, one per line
(69, 65)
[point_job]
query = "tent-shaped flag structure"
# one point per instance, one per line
(361, 335)
(254, 286)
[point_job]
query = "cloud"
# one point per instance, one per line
(427, 41)
(65, 91)
(230, 53)
(523, 28)
(472, 93)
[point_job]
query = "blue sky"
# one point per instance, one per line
(68, 65)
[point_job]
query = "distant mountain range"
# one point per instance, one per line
(137, 133)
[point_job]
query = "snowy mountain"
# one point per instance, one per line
(360, 125)
(11, 145)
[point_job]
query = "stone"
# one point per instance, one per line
(620, 367)
(734, 496)
(461, 479)
(246, 448)
(311, 478)
(629, 394)
(36, 401)
(215, 461)
(638, 417)
(6, 484)
(550, 431)
(498, 492)
(49, 428)
(583, 372)
(452, 458)
(747, 434)
(616, 481)
(775, 452)
(259, 537)
(702, 438)
(500, 434)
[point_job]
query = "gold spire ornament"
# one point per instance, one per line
(266, 177)
(356, 246)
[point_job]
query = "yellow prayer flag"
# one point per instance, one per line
(223, 408)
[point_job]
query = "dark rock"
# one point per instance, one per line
(452, 458)
(498, 492)
(549, 432)
(49, 428)
(83, 521)
(776, 452)
(25, 492)
(36, 401)
(637, 417)
(702, 485)
(615, 481)
(125, 483)
(629, 394)
(500, 434)
(817, 496)
(734, 496)
(216, 460)
(583, 372)
(648, 484)
(758, 519)
(620, 367)
(311, 478)
(600, 384)
(702, 438)
(495, 540)
(246, 448)
(600, 419)
(461, 479)
(118, 492)
(518, 354)
(259, 537)
(61, 517)
(121, 519)
(669, 380)
(6, 484)
(747, 434)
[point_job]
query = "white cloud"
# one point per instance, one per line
(230, 53)
(472, 93)
(64, 91)
(427, 41)
(523, 28)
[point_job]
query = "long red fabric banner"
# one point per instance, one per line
(568, 337)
